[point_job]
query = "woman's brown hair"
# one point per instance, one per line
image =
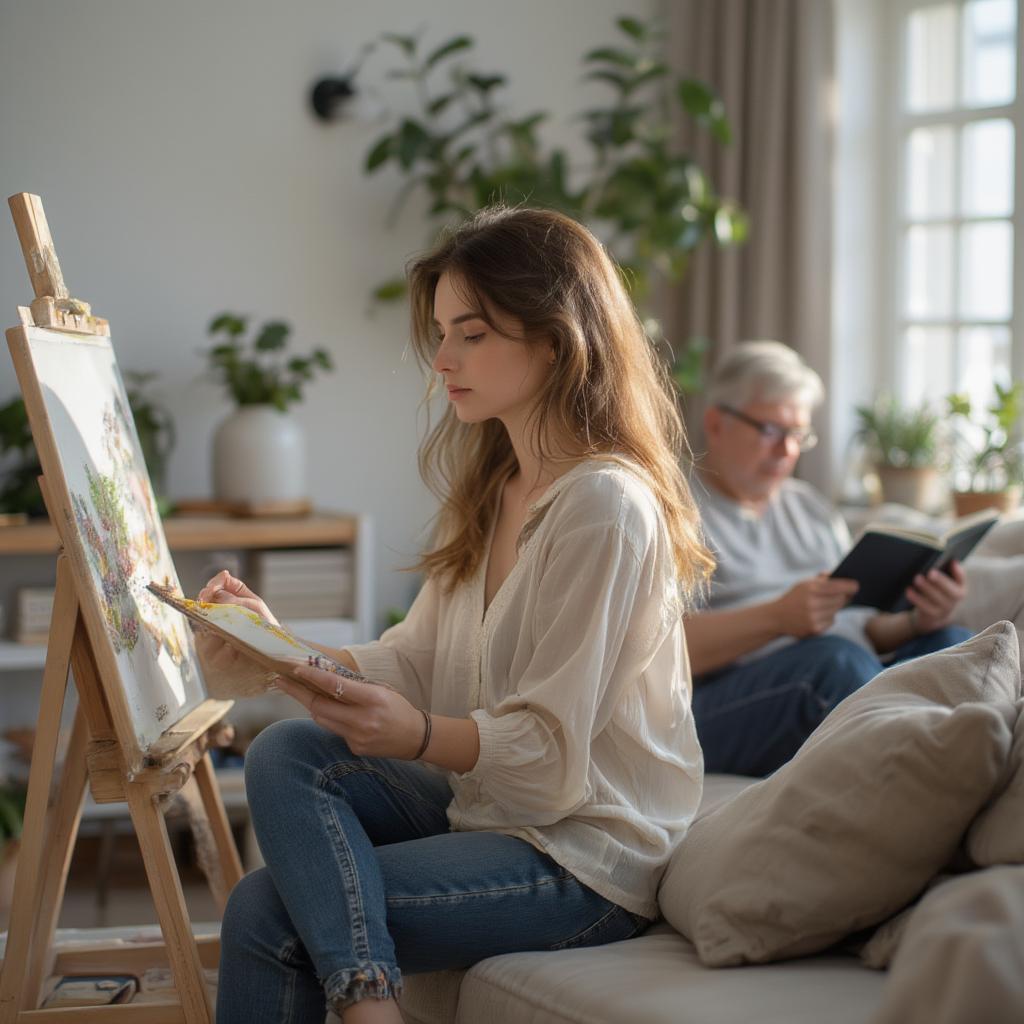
(609, 392)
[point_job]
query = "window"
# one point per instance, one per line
(957, 122)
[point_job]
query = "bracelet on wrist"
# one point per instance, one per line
(427, 727)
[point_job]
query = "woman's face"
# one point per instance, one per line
(488, 374)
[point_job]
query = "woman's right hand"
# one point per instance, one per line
(227, 589)
(224, 588)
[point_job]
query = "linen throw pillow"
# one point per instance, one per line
(962, 955)
(867, 812)
(997, 835)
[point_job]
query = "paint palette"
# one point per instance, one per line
(271, 645)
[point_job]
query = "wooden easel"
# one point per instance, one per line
(103, 752)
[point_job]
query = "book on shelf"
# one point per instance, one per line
(308, 583)
(33, 610)
(885, 559)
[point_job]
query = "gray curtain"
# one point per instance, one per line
(771, 61)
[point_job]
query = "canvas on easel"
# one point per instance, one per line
(144, 723)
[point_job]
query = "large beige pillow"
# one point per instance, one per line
(995, 591)
(961, 957)
(997, 835)
(853, 828)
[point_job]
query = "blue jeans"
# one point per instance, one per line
(752, 718)
(364, 880)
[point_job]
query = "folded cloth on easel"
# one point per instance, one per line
(872, 807)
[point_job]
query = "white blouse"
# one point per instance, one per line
(578, 679)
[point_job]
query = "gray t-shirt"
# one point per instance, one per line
(760, 556)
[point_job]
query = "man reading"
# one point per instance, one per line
(776, 646)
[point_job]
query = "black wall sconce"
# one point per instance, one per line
(329, 96)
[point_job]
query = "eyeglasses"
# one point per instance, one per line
(772, 433)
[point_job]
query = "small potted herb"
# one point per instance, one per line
(903, 445)
(259, 450)
(988, 460)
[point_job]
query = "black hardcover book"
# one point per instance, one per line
(886, 559)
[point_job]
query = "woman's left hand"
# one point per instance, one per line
(374, 721)
(936, 596)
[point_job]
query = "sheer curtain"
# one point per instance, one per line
(771, 61)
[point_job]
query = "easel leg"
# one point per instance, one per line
(227, 852)
(14, 992)
(171, 911)
(60, 844)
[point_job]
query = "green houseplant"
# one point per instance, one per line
(257, 371)
(903, 445)
(259, 450)
(988, 460)
(19, 491)
(641, 192)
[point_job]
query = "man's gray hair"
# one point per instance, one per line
(765, 371)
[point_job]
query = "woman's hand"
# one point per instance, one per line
(214, 654)
(375, 721)
(226, 589)
(936, 597)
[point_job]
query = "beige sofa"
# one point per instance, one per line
(918, 774)
(654, 979)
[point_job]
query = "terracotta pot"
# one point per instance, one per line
(966, 502)
(916, 486)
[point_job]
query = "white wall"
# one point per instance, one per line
(183, 175)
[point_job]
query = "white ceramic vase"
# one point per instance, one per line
(259, 455)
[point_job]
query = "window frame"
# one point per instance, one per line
(892, 284)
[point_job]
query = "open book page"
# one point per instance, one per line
(975, 526)
(272, 646)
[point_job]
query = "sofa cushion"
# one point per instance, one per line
(433, 998)
(658, 979)
(867, 812)
(961, 957)
(997, 835)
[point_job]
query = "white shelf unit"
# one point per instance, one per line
(209, 534)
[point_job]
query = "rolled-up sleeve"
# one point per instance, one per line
(404, 655)
(595, 591)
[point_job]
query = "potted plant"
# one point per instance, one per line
(12, 816)
(259, 451)
(903, 446)
(987, 451)
(155, 428)
(628, 177)
(19, 492)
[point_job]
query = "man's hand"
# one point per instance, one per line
(810, 607)
(936, 597)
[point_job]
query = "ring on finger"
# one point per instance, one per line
(339, 689)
